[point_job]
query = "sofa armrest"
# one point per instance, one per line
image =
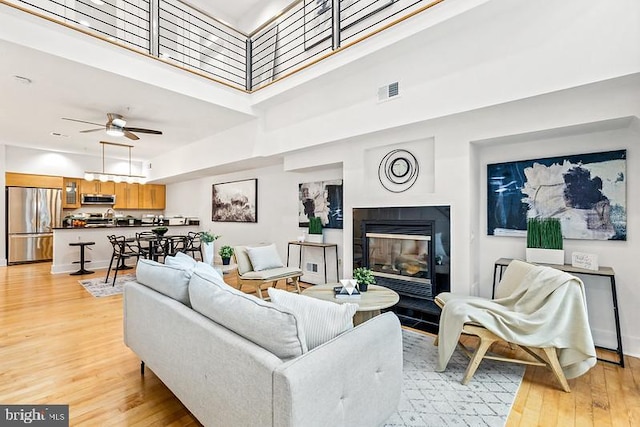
(352, 380)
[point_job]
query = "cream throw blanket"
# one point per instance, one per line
(547, 309)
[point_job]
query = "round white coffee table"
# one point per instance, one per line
(369, 304)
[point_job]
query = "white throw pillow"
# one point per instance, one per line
(264, 257)
(321, 320)
(181, 260)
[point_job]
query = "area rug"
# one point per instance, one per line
(98, 288)
(431, 398)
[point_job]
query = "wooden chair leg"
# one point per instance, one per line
(295, 282)
(554, 364)
(481, 350)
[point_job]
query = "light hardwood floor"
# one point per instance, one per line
(58, 344)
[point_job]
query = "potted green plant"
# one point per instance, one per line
(226, 252)
(207, 239)
(544, 241)
(364, 277)
(315, 230)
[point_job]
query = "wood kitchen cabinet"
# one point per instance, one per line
(13, 179)
(127, 196)
(71, 193)
(152, 196)
(97, 187)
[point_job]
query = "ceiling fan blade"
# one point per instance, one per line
(141, 130)
(91, 130)
(82, 121)
(130, 135)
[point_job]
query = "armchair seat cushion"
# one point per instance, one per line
(272, 274)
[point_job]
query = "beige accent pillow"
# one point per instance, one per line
(321, 320)
(264, 257)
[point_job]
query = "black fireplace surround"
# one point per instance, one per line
(408, 249)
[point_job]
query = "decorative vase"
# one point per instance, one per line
(315, 238)
(362, 287)
(207, 252)
(225, 261)
(545, 256)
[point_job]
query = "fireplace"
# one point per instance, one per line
(407, 249)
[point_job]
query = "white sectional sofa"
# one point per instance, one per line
(235, 360)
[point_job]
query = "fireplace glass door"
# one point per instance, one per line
(399, 256)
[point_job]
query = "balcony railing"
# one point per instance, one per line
(304, 33)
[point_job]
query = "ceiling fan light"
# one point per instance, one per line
(113, 130)
(89, 176)
(119, 122)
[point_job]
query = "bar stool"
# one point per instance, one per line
(82, 261)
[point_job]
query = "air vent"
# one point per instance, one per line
(389, 91)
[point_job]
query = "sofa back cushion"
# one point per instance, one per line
(259, 321)
(181, 260)
(321, 320)
(169, 280)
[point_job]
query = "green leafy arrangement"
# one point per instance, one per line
(208, 237)
(545, 233)
(226, 251)
(315, 225)
(363, 275)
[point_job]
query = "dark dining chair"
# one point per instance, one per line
(193, 245)
(122, 250)
(151, 245)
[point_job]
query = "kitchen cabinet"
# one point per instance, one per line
(152, 196)
(97, 187)
(71, 193)
(13, 179)
(126, 195)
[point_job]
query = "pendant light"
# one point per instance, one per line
(115, 177)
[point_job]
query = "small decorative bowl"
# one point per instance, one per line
(160, 231)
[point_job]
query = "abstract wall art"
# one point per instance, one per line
(235, 201)
(587, 192)
(321, 199)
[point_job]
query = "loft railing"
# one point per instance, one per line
(301, 35)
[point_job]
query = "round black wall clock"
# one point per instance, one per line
(398, 171)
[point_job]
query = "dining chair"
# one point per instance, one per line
(122, 250)
(193, 245)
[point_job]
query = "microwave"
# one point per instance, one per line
(98, 199)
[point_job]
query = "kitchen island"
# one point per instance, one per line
(100, 253)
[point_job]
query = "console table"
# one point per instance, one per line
(324, 247)
(602, 272)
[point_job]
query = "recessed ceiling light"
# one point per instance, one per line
(22, 79)
(59, 135)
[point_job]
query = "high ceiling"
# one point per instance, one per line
(31, 113)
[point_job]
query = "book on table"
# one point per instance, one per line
(341, 292)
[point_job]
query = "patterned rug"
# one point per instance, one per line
(98, 288)
(432, 398)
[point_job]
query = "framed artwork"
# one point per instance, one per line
(317, 22)
(321, 199)
(318, 17)
(355, 11)
(235, 201)
(587, 192)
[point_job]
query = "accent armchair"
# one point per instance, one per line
(539, 309)
(260, 267)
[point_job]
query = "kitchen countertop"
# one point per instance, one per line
(70, 227)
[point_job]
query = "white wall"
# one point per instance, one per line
(277, 206)
(3, 210)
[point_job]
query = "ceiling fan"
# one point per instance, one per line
(116, 126)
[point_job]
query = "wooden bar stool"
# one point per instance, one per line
(82, 261)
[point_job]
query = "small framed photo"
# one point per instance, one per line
(235, 201)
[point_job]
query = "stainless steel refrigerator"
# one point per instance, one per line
(32, 213)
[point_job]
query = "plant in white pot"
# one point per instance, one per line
(207, 239)
(544, 241)
(315, 230)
